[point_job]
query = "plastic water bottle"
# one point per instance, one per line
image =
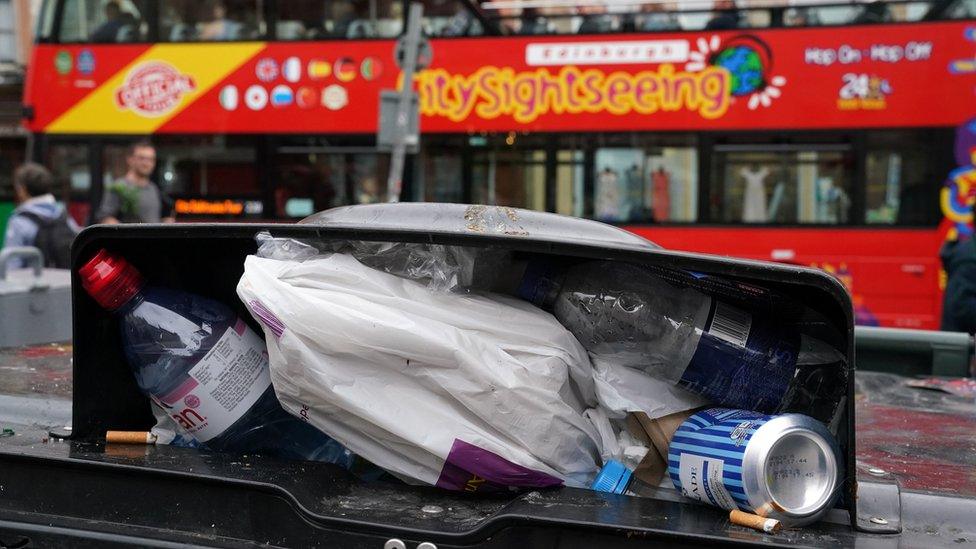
(204, 366)
(626, 313)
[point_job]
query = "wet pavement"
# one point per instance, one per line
(38, 371)
(923, 437)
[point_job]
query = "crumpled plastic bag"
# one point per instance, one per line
(463, 391)
(439, 267)
(621, 389)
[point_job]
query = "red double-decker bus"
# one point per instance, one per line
(835, 136)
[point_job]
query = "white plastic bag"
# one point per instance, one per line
(621, 389)
(461, 391)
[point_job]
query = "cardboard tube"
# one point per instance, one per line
(756, 522)
(130, 437)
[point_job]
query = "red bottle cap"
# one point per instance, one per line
(110, 280)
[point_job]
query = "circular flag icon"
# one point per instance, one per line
(63, 62)
(229, 98)
(335, 97)
(281, 96)
(292, 69)
(306, 97)
(256, 97)
(319, 69)
(371, 68)
(85, 62)
(266, 70)
(345, 69)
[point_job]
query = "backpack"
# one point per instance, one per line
(54, 238)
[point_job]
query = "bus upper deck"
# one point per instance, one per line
(814, 134)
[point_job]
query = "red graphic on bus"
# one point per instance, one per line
(153, 89)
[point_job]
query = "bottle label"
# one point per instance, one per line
(538, 282)
(731, 324)
(222, 386)
(701, 479)
(742, 361)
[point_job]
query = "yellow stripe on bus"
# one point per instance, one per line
(206, 65)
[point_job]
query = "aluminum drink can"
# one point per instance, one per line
(786, 467)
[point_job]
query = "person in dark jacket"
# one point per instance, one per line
(114, 22)
(36, 205)
(959, 302)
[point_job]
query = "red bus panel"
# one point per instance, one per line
(893, 274)
(850, 77)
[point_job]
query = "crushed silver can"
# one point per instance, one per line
(786, 467)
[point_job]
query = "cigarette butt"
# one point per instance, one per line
(130, 437)
(763, 524)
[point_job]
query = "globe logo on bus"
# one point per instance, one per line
(745, 67)
(153, 89)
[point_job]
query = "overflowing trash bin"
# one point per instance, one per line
(474, 349)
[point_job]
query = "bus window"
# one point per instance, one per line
(10, 158)
(102, 21)
(213, 166)
(114, 164)
(440, 176)
(311, 181)
(449, 18)
(821, 15)
(910, 12)
(884, 187)
(44, 32)
(212, 175)
(211, 20)
(903, 174)
(68, 163)
(307, 183)
(595, 19)
(871, 13)
(300, 20)
(369, 174)
(618, 193)
(570, 183)
(788, 187)
(646, 183)
(315, 19)
(514, 178)
(352, 19)
(654, 17)
(962, 9)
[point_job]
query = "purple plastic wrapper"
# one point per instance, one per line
(469, 468)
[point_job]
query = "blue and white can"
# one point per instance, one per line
(785, 467)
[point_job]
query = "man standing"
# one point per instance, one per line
(38, 219)
(135, 198)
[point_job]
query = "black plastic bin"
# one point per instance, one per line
(305, 500)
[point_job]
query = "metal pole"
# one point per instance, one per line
(412, 41)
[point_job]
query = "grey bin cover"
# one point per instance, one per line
(464, 219)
